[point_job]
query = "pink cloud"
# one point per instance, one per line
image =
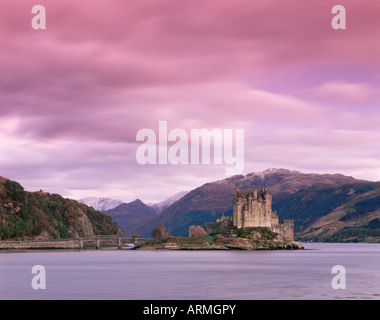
(343, 91)
(73, 96)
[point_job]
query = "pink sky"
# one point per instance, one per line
(73, 96)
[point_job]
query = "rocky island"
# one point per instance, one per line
(259, 238)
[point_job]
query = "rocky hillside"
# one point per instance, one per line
(40, 215)
(306, 198)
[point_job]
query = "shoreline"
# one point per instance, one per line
(157, 248)
(77, 245)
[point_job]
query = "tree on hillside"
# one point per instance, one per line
(158, 233)
(197, 232)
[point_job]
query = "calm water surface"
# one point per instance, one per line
(203, 275)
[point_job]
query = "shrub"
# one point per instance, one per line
(197, 232)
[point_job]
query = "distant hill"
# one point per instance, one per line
(101, 204)
(348, 213)
(131, 214)
(40, 215)
(209, 201)
(202, 204)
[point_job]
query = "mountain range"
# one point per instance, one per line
(325, 207)
(132, 213)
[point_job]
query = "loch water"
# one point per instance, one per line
(195, 275)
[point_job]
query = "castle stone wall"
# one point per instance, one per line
(285, 229)
(216, 227)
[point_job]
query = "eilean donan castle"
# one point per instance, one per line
(253, 208)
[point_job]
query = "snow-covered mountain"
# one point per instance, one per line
(106, 204)
(101, 204)
(161, 206)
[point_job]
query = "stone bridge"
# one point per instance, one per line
(112, 241)
(96, 242)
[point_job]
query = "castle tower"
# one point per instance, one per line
(252, 208)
